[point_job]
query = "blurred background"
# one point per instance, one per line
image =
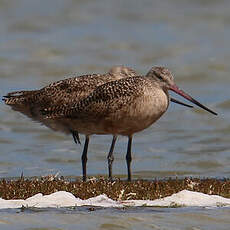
(48, 40)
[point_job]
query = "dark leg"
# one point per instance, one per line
(84, 158)
(129, 157)
(76, 137)
(110, 157)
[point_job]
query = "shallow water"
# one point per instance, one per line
(103, 218)
(44, 41)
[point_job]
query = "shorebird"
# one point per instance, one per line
(122, 107)
(66, 93)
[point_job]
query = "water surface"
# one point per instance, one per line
(45, 41)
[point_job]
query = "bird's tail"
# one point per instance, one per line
(21, 101)
(18, 97)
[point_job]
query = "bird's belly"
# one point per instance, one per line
(139, 116)
(135, 117)
(130, 119)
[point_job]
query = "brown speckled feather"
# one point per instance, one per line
(117, 103)
(63, 93)
(121, 107)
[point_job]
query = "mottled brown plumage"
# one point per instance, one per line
(64, 93)
(111, 106)
(61, 93)
(122, 107)
(117, 103)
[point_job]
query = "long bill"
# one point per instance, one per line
(177, 90)
(180, 103)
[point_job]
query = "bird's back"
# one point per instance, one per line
(121, 107)
(61, 93)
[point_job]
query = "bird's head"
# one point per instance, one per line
(164, 78)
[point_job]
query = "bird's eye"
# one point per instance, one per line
(159, 76)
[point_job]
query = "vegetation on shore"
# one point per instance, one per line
(117, 189)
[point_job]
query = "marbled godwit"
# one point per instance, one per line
(122, 107)
(66, 93)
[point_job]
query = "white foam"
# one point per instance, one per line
(66, 199)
